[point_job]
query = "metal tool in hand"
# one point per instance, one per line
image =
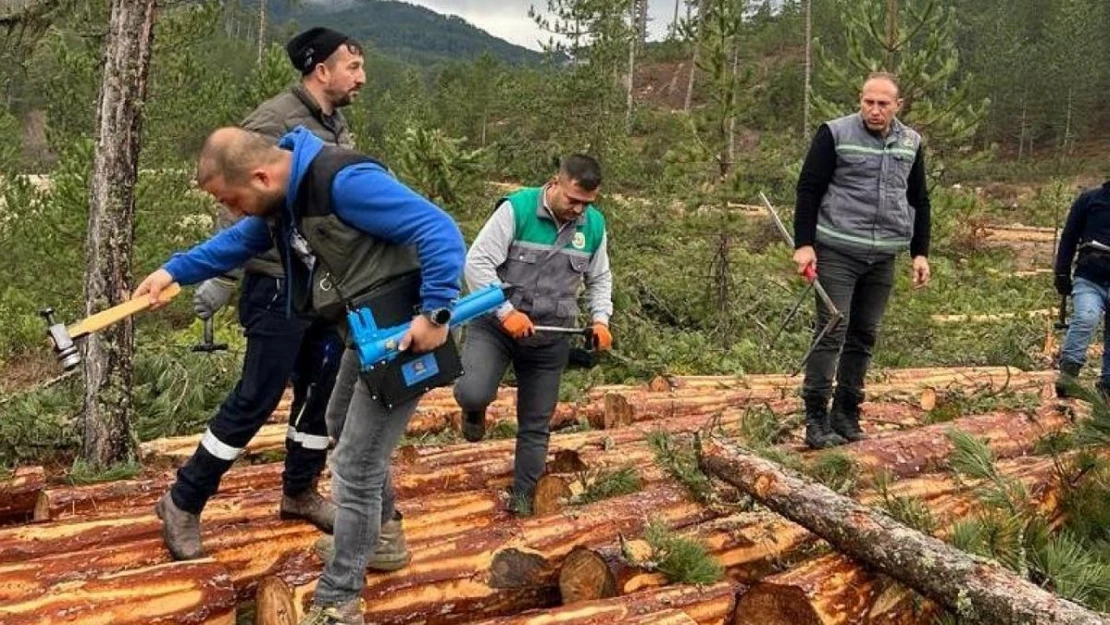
(810, 274)
(209, 346)
(63, 338)
(578, 357)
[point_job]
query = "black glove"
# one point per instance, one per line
(1063, 284)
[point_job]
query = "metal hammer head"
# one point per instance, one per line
(67, 351)
(208, 346)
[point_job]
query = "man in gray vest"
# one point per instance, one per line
(349, 234)
(861, 199)
(304, 348)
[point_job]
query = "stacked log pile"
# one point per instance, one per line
(94, 552)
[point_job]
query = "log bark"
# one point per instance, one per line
(971, 587)
(19, 493)
(198, 592)
(711, 605)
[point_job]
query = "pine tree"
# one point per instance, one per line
(915, 40)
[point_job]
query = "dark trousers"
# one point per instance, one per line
(278, 348)
(859, 286)
(486, 354)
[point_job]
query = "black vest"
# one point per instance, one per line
(349, 264)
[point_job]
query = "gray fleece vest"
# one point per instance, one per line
(865, 207)
(276, 117)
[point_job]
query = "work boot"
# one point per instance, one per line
(392, 553)
(818, 433)
(180, 529)
(310, 506)
(474, 425)
(1067, 378)
(844, 416)
(346, 613)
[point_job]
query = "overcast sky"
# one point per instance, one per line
(508, 19)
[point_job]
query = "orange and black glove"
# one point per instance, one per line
(600, 337)
(518, 325)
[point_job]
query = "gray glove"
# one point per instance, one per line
(212, 295)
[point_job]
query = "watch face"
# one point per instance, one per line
(441, 316)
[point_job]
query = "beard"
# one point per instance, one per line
(340, 99)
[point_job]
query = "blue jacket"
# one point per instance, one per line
(1088, 220)
(366, 197)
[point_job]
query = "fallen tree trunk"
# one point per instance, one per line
(971, 587)
(198, 592)
(19, 493)
(834, 589)
(710, 605)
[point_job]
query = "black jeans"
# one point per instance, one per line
(278, 348)
(859, 286)
(486, 354)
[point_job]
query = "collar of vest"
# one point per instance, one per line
(543, 212)
(331, 122)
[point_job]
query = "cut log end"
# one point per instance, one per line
(274, 603)
(618, 411)
(928, 399)
(585, 576)
(515, 568)
(552, 494)
(776, 606)
(566, 461)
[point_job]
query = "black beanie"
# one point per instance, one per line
(312, 47)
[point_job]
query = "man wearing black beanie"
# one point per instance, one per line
(306, 350)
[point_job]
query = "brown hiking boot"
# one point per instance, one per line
(180, 529)
(392, 553)
(311, 506)
(346, 613)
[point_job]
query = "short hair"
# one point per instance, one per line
(352, 46)
(231, 153)
(887, 76)
(582, 169)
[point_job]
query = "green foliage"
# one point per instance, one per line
(1075, 571)
(609, 484)
(81, 473)
(921, 50)
(910, 511)
(678, 457)
(681, 560)
(502, 430)
(436, 165)
(835, 470)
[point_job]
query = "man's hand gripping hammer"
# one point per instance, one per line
(63, 337)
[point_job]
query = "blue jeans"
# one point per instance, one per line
(1089, 303)
(368, 435)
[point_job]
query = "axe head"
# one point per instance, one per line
(66, 350)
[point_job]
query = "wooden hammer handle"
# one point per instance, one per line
(105, 318)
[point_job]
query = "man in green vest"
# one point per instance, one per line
(546, 242)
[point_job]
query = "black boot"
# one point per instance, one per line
(844, 416)
(474, 425)
(1067, 378)
(818, 434)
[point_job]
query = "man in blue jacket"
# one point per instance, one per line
(345, 230)
(1087, 232)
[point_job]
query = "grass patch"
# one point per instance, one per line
(835, 470)
(623, 481)
(680, 460)
(910, 511)
(501, 430)
(681, 560)
(81, 473)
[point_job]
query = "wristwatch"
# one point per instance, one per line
(438, 316)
